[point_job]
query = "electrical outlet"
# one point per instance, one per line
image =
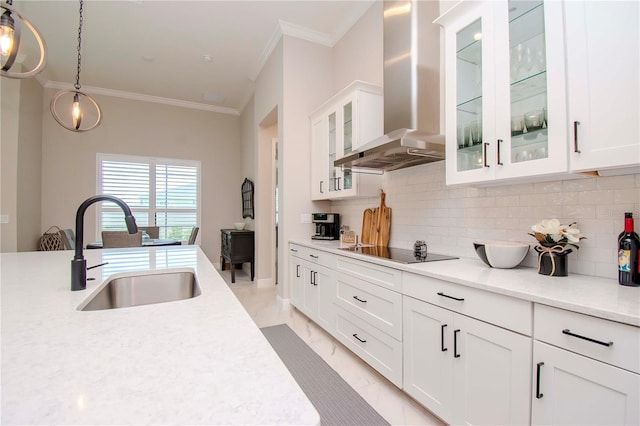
(4, 218)
(305, 218)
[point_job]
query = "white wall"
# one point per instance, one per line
(358, 54)
(10, 112)
(145, 129)
(21, 141)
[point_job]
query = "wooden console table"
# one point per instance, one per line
(236, 247)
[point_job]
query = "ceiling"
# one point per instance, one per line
(201, 54)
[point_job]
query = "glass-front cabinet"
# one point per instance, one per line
(505, 91)
(350, 119)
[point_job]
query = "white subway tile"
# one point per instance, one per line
(596, 197)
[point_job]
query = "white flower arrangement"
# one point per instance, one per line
(551, 232)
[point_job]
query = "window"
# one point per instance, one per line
(160, 192)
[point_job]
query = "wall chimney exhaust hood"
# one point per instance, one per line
(411, 91)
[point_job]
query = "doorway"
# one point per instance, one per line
(275, 186)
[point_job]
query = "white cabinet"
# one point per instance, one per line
(296, 278)
(313, 284)
(603, 48)
(585, 370)
(505, 109)
(464, 370)
(348, 120)
(369, 314)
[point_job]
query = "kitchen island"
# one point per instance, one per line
(195, 361)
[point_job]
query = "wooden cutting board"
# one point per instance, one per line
(367, 220)
(376, 224)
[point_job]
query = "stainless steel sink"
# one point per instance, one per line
(143, 289)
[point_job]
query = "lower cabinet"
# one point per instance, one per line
(313, 285)
(464, 370)
(586, 370)
(378, 349)
(571, 389)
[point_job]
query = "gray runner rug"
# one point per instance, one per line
(336, 402)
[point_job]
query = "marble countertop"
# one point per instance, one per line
(195, 361)
(589, 295)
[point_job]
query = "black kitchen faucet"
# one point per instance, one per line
(79, 263)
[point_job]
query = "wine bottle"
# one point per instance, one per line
(628, 254)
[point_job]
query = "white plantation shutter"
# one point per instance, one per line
(160, 192)
(176, 199)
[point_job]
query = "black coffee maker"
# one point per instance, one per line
(327, 226)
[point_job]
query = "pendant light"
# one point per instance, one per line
(10, 42)
(81, 100)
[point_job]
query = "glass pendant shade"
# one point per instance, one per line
(10, 23)
(76, 112)
(7, 33)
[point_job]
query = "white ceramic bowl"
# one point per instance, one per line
(239, 226)
(501, 254)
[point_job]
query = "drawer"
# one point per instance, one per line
(503, 311)
(379, 350)
(611, 342)
(316, 256)
(381, 275)
(376, 305)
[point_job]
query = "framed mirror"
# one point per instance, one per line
(247, 198)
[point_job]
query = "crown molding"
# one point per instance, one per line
(144, 98)
(286, 28)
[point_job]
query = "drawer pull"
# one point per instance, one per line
(359, 300)
(455, 343)
(294, 250)
(359, 339)
(442, 348)
(313, 256)
(451, 297)
(569, 333)
(538, 369)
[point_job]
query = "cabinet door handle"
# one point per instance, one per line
(338, 184)
(499, 161)
(297, 271)
(442, 348)
(359, 339)
(575, 136)
(459, 299)
(359, 300)
(538, 369)
(311, 278)
(455, 343)
(486, 144)
(321, 191)
(589, 339)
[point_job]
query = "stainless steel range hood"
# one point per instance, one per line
(411, 91)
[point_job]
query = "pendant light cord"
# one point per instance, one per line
(77, 85)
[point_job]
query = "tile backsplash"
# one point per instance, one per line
(451, 218)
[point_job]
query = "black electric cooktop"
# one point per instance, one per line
(396, 254)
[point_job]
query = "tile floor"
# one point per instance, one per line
(388, 400)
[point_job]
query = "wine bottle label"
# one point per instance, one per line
(624, 260)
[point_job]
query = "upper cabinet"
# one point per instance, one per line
(536, 89)
(603, 44)
(347, 121)
(505, 90)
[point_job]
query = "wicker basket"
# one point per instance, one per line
(51, 241)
